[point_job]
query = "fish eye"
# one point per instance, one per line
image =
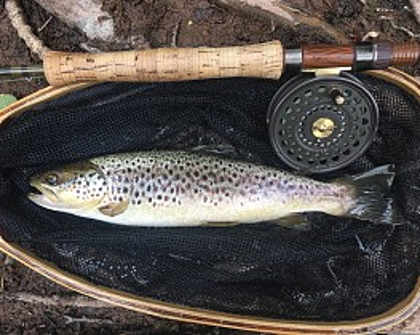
(52, 179)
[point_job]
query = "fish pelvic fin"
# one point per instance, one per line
(114, 208)
(372, 199)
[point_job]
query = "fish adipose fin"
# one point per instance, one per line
(372, 199)
(114, 208)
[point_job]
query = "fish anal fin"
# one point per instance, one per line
(294, 221)
(114, 208)
(220, 224)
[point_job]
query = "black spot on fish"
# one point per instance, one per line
(159, 197)
(136, 194)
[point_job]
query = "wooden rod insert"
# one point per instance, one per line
(323, 55)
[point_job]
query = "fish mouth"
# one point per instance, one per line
(44, 196)
(40, 189)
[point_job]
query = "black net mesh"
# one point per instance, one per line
(341, 269)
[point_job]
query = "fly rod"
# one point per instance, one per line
(266, 60)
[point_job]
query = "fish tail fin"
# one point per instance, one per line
(372, 200)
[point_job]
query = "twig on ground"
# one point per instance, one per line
(397, 27)
(416, 7)
(281, 11)
(77, 301)
(174, 35)
(370, 35)
(70, 319)
(45, 24)
(24, 31)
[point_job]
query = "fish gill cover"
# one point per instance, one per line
(341, 269)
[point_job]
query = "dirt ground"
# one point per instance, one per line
(163, 22)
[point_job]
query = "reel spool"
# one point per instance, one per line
(322, 123)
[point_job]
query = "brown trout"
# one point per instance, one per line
(163, 188)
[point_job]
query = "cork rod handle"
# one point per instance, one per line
(167, 64)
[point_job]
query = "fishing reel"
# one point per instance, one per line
(321, 123)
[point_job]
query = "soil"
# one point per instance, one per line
(163, 23)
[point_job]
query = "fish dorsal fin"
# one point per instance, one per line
(114, 208)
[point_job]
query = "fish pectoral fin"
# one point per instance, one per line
(294, 221)
(114, 208)
(220, 224)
